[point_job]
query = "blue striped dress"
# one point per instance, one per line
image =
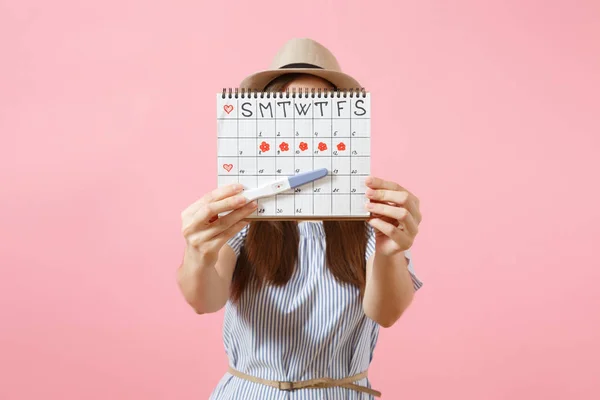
(313, 327)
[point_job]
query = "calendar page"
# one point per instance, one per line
(263, 137)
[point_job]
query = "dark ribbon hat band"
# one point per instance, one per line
(300, 65)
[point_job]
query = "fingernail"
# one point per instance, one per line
(254, 204)
(237, 187)
(369, 205)
(370, 192)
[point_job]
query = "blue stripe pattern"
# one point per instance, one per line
(313, 327)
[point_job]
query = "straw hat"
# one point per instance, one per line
(302, 56)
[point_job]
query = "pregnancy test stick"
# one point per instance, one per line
(284, 184)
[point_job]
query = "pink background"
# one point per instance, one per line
(488, 111)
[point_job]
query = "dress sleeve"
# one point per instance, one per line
(417, 284)
(237, 242)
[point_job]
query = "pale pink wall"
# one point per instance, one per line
(487, 110)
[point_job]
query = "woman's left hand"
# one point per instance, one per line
(395, 215)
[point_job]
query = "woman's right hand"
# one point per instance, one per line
(205, 233)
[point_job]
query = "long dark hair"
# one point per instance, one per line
(270, 251)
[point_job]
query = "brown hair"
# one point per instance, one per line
(270, 250)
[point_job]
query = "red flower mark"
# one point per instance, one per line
(264, 147)
(283, 146)
(303, 146)
(322, 146)
(341, 146)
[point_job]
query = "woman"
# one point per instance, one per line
(303, 301)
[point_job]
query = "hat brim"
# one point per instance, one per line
(260, 80)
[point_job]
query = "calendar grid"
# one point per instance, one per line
(350, 147)
(237, 103)
(312, 136)
(331, 169)
(293, 149)
(329, 194)
(282, 156)
(308, 119)
(264, 136)
(256, 158)
(307, 157)
(275, 131)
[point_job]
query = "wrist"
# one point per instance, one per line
(199, 259)
(394, 258)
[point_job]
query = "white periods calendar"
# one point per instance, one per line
(266, 137)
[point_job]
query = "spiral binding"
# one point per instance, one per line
(242, 93)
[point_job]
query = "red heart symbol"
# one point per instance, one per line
(228, 167)
(228, 108)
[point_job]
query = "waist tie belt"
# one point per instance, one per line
(319, 383)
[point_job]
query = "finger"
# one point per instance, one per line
(383, 191)
(239, 214)
(402, 238)
(214, 195)
(227, 204)
(382, 202)
(392, 221)
(395, 212)
(402, 198)
(415, 210)
(378, 183)
(214, 218)
(201, 219)
(224, 192)
(227, 221)
(227, 234)
(400, 217)
(219, 240)
(409, 225)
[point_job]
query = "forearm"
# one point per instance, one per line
(203, 287)
(389, 289)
